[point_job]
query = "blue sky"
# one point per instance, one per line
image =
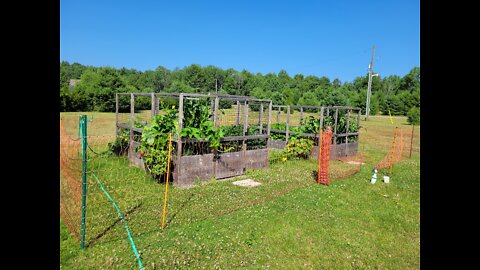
(322, 38)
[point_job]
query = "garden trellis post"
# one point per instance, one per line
(180, 124)
(278, 115)
(116, 116)
(260, 118)
(132, 120)
(358, 125)
(215, 112)
(238, 113)
(321, 116)
(287, 124)
(346, 131)
(153, 105)
(245, 130)
(269, 123)
(335, 127)
(301, 115)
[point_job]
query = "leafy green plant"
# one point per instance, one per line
(235, 130)
(275, 156)
(198, 123)
(120, 145)
(154, 142)
(310, 125)
(298, 148)
(278, 126)
(413, 116)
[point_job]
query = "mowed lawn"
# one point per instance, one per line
(350, 224)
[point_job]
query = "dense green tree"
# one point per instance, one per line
(290, 96)
(195, 78)
(308, 99)
(411, 81)
(259, 93)
(394, 105)
(277, 98)
(391, 85)
(180, 87)
(413, 116)
(161, 79)
(335, 98)
(336, 83)
(65, 99)
(97, 86)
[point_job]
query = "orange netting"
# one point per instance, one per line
(70, 181)
(323, 161)
(395, 154)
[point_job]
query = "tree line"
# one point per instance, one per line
(96, 88)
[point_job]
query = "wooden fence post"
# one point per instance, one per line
(269, 122)
(335, 127)
(179, 139)
(301, 115)
(346, 131)
(238, 113)
(153, 106)
(260, 118)
(287, 125)
(116, 116)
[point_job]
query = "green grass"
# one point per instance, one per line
(288, 222)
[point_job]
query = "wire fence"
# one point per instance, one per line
(304, 122)
(70, 181)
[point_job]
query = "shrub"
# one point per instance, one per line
(298, 148)
(295, 149)
(154, 142)
(413, 116)
(120, 146)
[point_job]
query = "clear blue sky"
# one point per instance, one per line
(322, 38)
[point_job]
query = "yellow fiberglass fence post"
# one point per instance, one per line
(166, 183)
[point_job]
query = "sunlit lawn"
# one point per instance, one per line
(288, 222)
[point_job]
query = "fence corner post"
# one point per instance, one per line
(83, 136)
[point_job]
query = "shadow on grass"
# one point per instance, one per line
(104, 232)
(314, 175)
(170, 220)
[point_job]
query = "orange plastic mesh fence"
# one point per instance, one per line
(325, 157)
(70, 181)
(396, 151)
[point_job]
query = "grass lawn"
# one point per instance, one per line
(288, 222)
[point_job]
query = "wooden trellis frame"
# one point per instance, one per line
(218, 165)
(337, 150)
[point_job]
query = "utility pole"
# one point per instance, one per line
(369, 90)
(216, 91)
